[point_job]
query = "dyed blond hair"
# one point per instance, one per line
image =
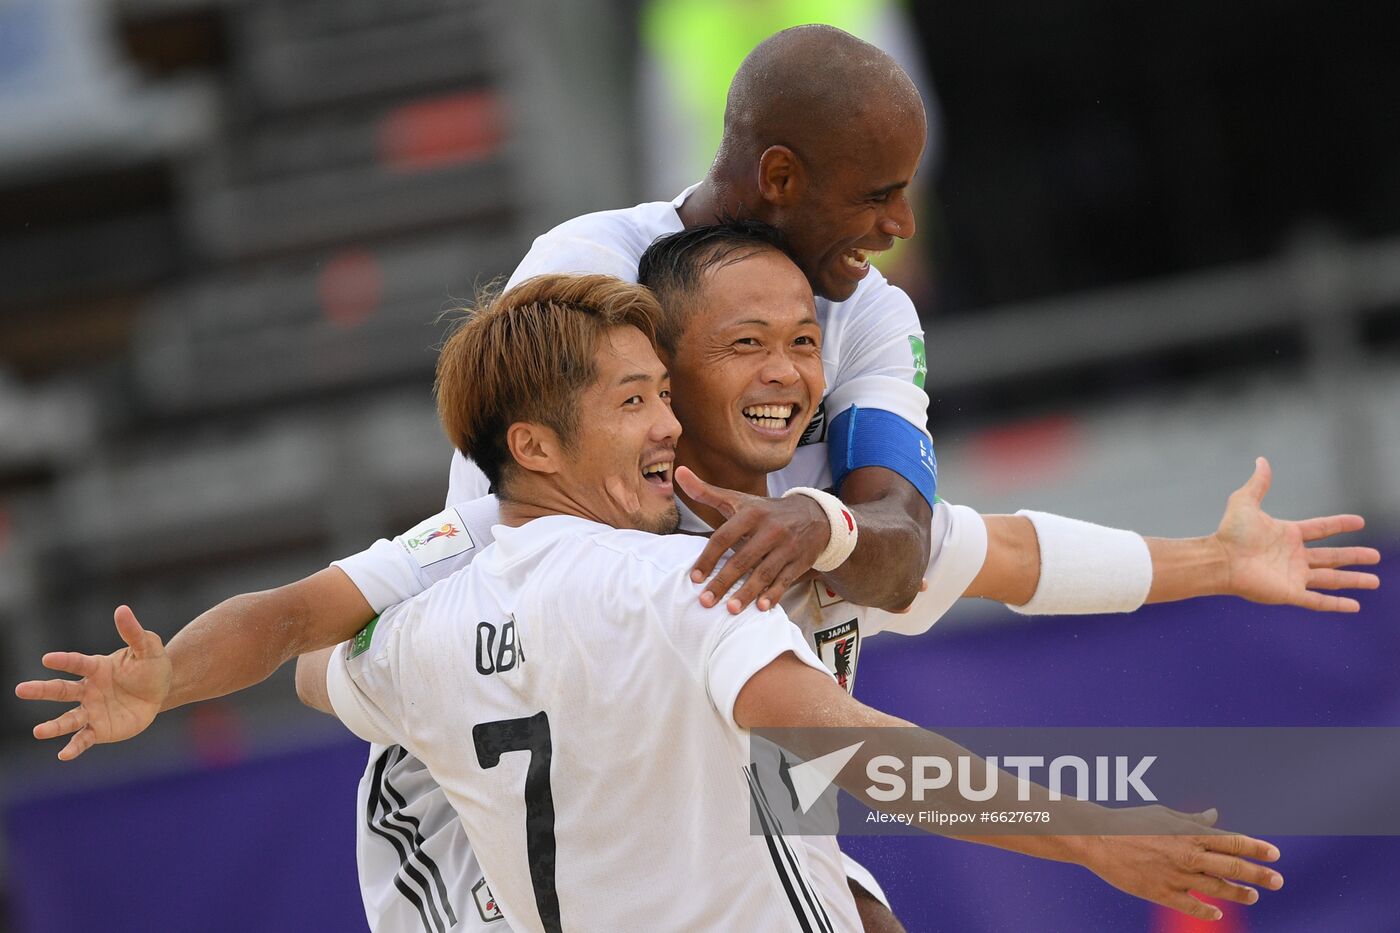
(525, 355)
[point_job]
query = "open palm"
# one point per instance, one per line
(1269, 559)
(119, 693)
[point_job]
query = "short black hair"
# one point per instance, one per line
(673, 265)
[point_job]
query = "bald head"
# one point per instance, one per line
(822, 138)
(814, 89)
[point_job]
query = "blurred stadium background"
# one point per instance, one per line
(1155, 241)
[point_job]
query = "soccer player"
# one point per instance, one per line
(739, 342)
(740, 336)
(555, 709)
(591, 656)
(823, 134)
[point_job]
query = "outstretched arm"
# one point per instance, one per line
(1251, 555)
(1153, 853)
(238, 643)
(241, 641)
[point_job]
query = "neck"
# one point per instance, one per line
(514, 514)
(721, 194)
(532, 499)
(717, 471)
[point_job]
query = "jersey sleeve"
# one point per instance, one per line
(465, 481)
(383, 574)
(388, 572)
(881, 356)
(558, 252)
(958, 550)
(362, 681)
(745, 645)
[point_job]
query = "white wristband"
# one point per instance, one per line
(843, 528)
(1087, 568)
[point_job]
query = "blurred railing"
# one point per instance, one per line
(372, 163)
(1338, 401)
(346, 172)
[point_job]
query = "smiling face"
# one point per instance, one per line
(618, 468)
(852, 204)
(747, 371)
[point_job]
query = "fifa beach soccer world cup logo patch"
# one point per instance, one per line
(440, 537)
(839, 649)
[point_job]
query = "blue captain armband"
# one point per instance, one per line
(865, 437)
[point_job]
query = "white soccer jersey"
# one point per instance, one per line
(417, 871)
(872, 343)
(580, 721)
(869, 359)
(390, 572)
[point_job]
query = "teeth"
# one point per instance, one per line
(858, 258)
(659, 469)
(769, 412)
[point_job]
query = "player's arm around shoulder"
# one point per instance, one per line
(958, 552)
(881, 456)
(579, 246)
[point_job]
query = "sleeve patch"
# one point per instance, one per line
(360, 644)
(916, 344)
(439, 538)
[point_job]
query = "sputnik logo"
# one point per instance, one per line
(809, 780)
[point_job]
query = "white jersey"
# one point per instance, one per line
(872, 343)
(869, 359)
(392, 571)
(417, 872)
(585, 703)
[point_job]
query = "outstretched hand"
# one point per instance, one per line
(775, 542)
(118, 696)
(1268, 558)
(1169, 855)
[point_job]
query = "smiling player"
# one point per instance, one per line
(739, 335)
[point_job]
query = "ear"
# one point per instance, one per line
(781, 176)
(534, 447)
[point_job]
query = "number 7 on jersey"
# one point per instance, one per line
(529, 734)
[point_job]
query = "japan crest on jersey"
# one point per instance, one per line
(486, 902)
(839, 649)
(826, 596)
